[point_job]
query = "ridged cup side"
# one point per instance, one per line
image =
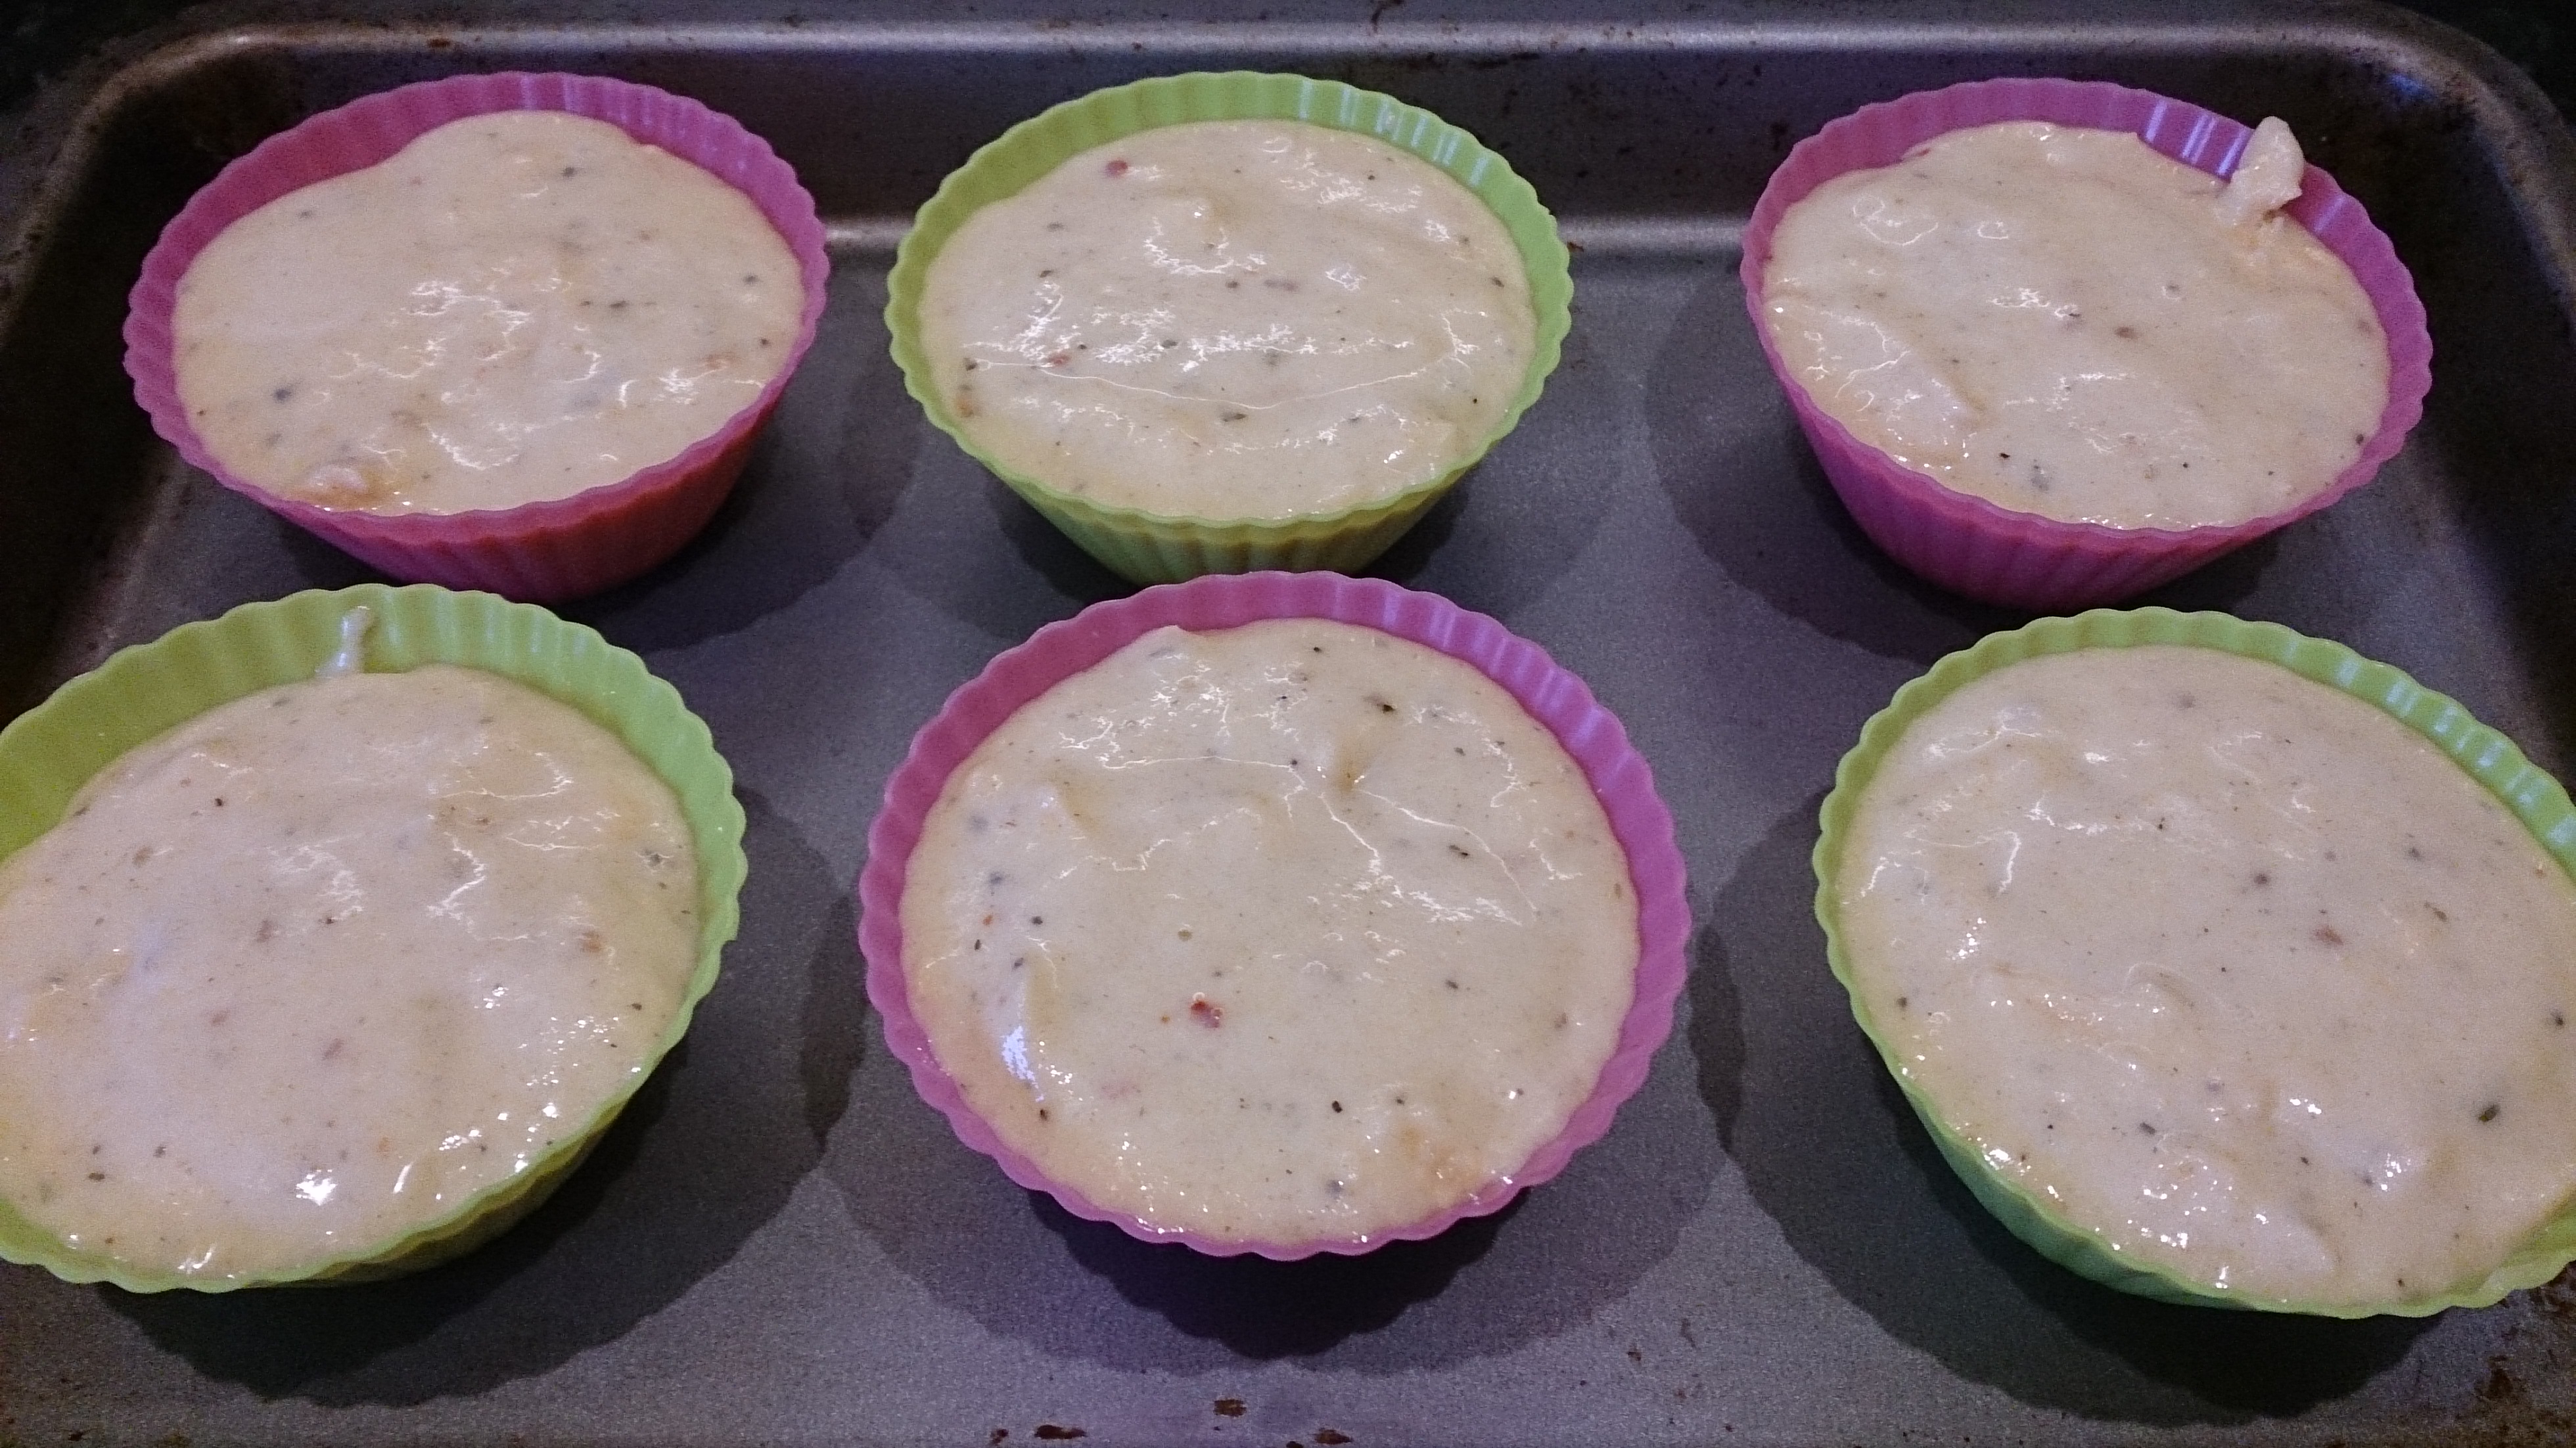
(1149, 547)
(2021, 560)
(538, 552)
(1553, 695)
(141, 692)
(2488, 757)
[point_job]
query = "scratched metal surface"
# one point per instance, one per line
(781, 1244)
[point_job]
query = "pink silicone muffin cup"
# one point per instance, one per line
(2021, 560)
(1556, 698)
(538, 552)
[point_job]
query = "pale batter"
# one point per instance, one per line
(1232, 319)
(2066, 323)
(314, 968)
(515, 307)
(1291, 932)
(2225, 965)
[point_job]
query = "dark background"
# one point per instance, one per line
(38, 38)
(2455, 567)
(2538, 35)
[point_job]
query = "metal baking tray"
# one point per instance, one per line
(780, 1243)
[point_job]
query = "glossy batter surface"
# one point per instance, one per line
(1289, 932)
(1231, 319)
(310, 970)
(2064, 322)
(2227, 965)
(515, 307)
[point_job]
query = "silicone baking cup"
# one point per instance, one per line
(2483, 754)
(545, 551)
(1148, 547)
(1556, 698)
(47, 754)
(2021, 560)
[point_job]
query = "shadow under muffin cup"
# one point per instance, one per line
(545, 551)
(1555, 699)
(48, 754)
(1147, 546)
(2491, 761)
(2023, 560)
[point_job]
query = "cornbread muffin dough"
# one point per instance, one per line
(515, 307)
(1290, 932)
(312, 969)
(2227, 966)
(1231, 319)
(2064, 322)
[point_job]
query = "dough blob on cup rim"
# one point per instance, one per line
(1148, 547)
(47, 754)
(543, 551)
(1975, 547)
(2525, 791)
(1555, 698)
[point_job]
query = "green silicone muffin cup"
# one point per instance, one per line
(47, 754)
(1164, 548)
(2485, 755)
